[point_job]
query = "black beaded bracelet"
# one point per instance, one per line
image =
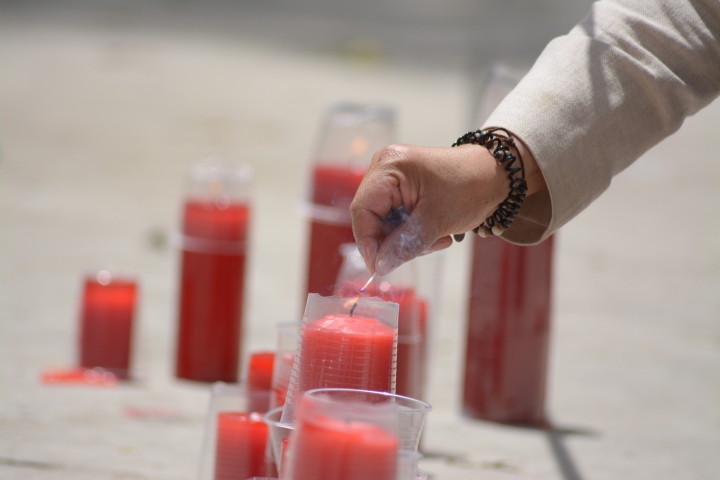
(500, 143)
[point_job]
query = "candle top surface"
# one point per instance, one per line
(350, 325)
(354, 431)
(261, 370)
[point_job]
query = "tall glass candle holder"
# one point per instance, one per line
(106, 322)
(351, 134)
(344, 343)
(508, 332)
(213, 245)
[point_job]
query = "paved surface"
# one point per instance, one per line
(103, 110)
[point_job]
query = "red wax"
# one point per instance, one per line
(281, 380)
(410, 354)
(106, 325)
(326, 449)
(211, 292)
(508, 332)
(259, 381)
(240, 446)
(346, 352)
(333, 186)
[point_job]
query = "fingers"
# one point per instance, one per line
(407, 241)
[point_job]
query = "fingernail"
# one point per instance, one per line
(387, 264)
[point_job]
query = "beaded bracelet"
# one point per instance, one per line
(500, 145)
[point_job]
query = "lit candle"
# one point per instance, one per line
(411, 355)
(108, 307)
(346, 351)
(211, 290)
(240, 446)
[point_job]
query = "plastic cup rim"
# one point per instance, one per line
(276, 423)
(423, 407)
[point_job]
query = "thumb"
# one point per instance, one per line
(412, 238)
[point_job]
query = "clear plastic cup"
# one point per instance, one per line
(341, 439)
(235, 438)
(411, 413)
(407, 465)
(277, 433)
(344, 343)
(287, 343)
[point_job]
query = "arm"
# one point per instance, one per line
(598, 98)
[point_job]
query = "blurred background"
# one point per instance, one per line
(104, 105)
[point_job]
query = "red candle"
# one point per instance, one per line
(410, 353)
(240, 446)
(346, 352)
(508, 332)
(327, 449)
(333, 186)
(259, 381)
(211, 291)
(106, 323)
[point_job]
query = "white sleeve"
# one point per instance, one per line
(596, 99)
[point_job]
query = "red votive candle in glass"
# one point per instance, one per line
(106, 322)
(240, 446)
(347, 352)
(350, 136)
(213, 242)
(342, 350)
(327, 446)
(508, 332)
(259, 381)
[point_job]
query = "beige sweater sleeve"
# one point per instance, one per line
(598, 98)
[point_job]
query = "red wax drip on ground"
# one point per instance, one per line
(259, 381)
(508, 332)
(333, 186)
(346, 352)
(411, 353)
(240, 446)
(106, 325)
(211, 294)
(331, 450)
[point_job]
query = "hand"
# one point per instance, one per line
(445, 191)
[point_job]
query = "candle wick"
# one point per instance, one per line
(352, 309)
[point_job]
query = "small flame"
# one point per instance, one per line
(351, 302)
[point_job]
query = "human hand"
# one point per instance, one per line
(445, 191)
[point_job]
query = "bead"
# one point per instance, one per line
(482, 231)
(459, 237)
(497, 230)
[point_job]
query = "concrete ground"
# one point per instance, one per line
(103, 109)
